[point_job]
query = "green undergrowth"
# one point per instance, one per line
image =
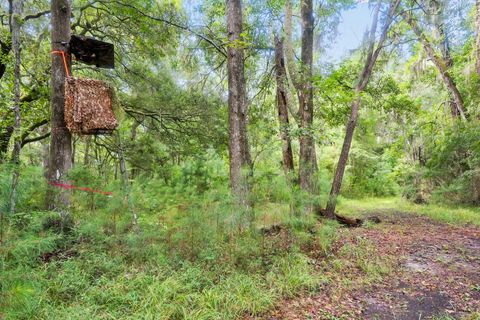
(186, 269)
(459, 215)
(90, 273)
(196, 255)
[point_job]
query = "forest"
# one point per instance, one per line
(240, 159)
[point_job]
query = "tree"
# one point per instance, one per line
(15, 25)
(290, 67)
(439, 62)
(237, 107)
(307, 160)
(282, 107)
(440, 36)
(362, 81)
(60, 141)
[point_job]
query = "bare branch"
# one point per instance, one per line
(30, 129)
(43, 136)
(36, 15)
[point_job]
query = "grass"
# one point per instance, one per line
(99, 285)
(458, 215)
(129, 276)
(189, 261)
(225, 275)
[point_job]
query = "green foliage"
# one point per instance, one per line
(455, 163)
(30, 191)
(194, 257)
(369, 175)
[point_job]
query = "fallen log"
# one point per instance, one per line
(347, 221)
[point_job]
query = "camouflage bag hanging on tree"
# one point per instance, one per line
(89, 106)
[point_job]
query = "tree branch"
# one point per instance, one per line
(220, 49)
(36, 15)
(43, 136)
(30, 129)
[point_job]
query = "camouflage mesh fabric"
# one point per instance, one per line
(88, 106)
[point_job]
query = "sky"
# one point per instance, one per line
(352, 26)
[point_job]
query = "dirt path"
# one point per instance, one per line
(407, 267)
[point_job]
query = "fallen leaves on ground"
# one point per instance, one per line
(407, 267)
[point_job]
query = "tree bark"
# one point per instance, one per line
(372, 56)
(307, 161)
(282, 107)
(16, 24)
(61, 141)
(237, 109)
(16, 30)
(342, 160)
(439, 62)
(45, 151)
(126, 183)
(290, 67)
(289, 51)
(86, 155)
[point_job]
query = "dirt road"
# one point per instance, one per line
(407, 267)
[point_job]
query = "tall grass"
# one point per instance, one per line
(193, 259)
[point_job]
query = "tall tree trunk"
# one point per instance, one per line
(133, 137)
(289, 56)
(126, 183)
(237, 109)
(289, 51)
(282, 107)
(307, 161)
(45, 152)
(439, 62)
(86, 155)
(16, 24)
(61, 139)
(372, 56)
(342, 160)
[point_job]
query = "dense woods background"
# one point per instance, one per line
(231, 122)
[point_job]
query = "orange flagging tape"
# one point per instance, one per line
(65, 64)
